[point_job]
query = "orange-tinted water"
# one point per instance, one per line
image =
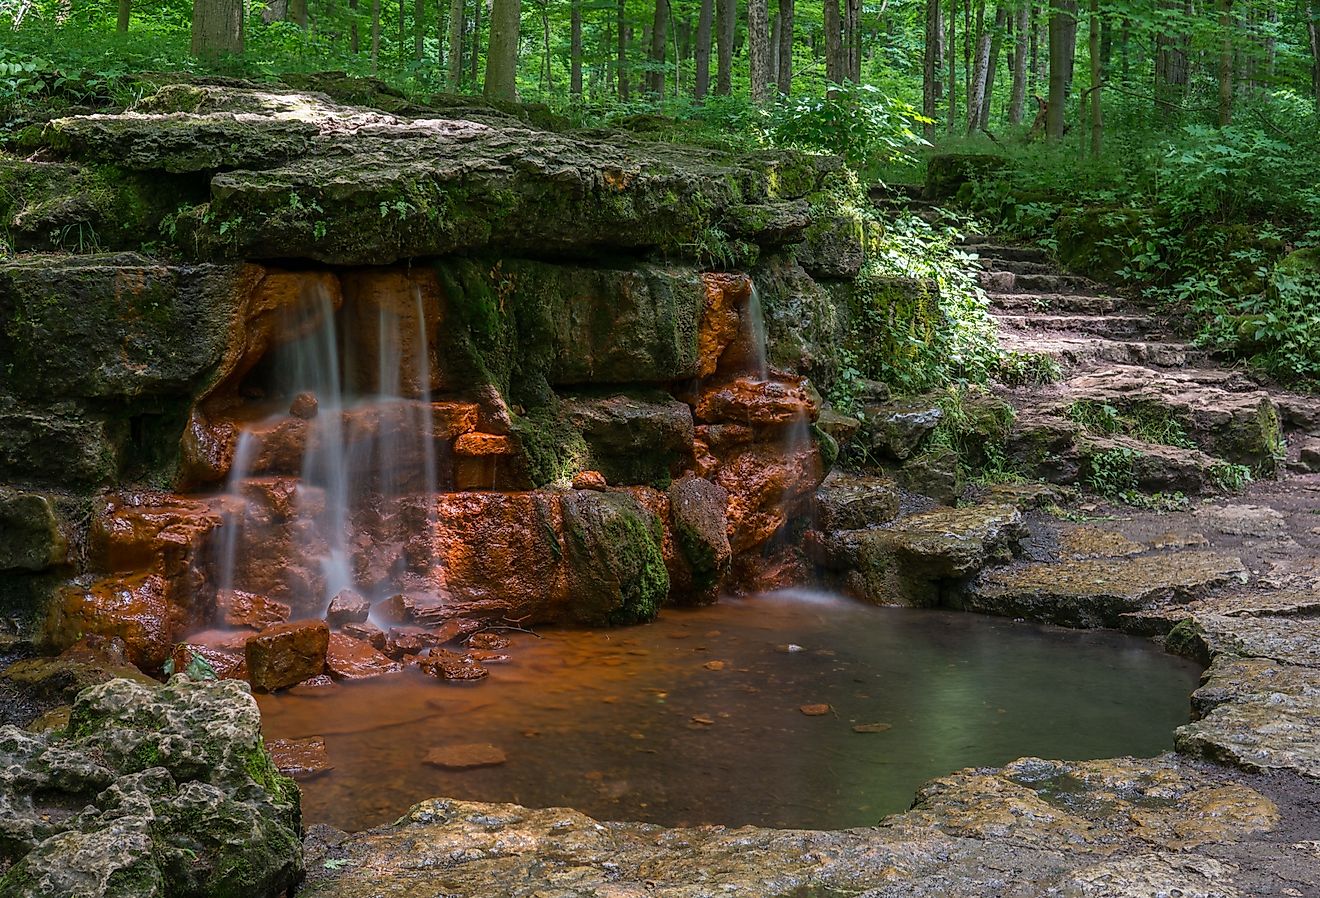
(639, 724)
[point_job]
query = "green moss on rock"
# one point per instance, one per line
(613, 547)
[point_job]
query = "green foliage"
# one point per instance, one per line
(1027, 369)
(851, 120)
(1152, 423)
(920, 320)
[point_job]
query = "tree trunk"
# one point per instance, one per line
(930, 68)
(1313, 35)
(575, 50)
(992, 65)
(1062, 34)
(773, 68)
(621, 65)
(125, 12)
(1171, 70)
(785, 73)
(727, 13)
(457, 10)
(834, 72)
(354, 39)
(852, 40)
(502, 51)
(952, 40)
(217, 28)
(474, 58)
(419, 29)
(1097, 76)
(655, 74)
(375, 35)
(704, 22)
(1225, 62)
(758, 50)
(980, 70)
(1022, 23)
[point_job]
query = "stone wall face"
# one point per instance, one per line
(605, 427)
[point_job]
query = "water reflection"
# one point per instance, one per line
(698, 718)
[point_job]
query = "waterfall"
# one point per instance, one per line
(757, 334)
(361, 420)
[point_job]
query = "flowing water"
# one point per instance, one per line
(697, 718)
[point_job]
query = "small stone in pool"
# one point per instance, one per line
(871, 727)
(302, 759)
(466, 756)
(488, 640)
(452, 666)
(815, 710)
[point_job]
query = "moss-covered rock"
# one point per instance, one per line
(698, 512)
(613, 549)
(1094, 241)
(149, 791)
(636, 437)
(30, 535)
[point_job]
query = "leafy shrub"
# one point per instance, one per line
(854, 121)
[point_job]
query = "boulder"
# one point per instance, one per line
(136, 608)
(30, 535)
(613, 550)
(286, 654)
(348, 607)
(855, 502)
(698, 514)
(352, 659)
(149, 791)
(633, 438)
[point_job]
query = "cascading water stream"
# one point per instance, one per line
(757, 333)
(367, 443)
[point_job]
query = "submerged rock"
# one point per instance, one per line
(286, 654)
(162, 791)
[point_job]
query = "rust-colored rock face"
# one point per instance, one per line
(752, 402)
(725, 303)
(352, 659)
(388, 311)
(134, 607)
(286, 654)
(767, 483)
(235, 608)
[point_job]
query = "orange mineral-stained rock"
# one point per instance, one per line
(286, 654)
(227, 662)
(150, 531)
(590, 480)
(235, 608)
(749, 401)
(399, 312)
(766, 483)
(348, 607)
(301, 759)
(721, 317)
(134, 607)
(352, 659)
(445, 665)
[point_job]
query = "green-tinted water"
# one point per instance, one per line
(698, 718)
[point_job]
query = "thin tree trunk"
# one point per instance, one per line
(980, 70)
(354, 39)
(1313, 35)
(1171, 69)
(773, 68)
(1097, 76)
(1022, 23)
(787, 12)
(1225, 62)
(375, 35)
(655, 75)
(502, 51)
(952, 39)
(474, 59)
(125, 13)
(1061, 52)
(930, 68)
(575, 50)
(758, 50)
(457, 10)
(217, 28)
(419, 29)
(621, 66)
(834, 72)
(727, 13)
(852, 40)
(992, 64)
(705, 20)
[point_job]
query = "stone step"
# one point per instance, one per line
(1063, 303)
(1052, 283)
(1118, 327)
(1019, 266)
(990, 250)
(1221, 418)
(1083, 350)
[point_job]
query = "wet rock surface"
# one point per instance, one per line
(149, 791)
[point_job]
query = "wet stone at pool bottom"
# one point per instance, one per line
(638, 724)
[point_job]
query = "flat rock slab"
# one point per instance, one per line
(856, 502)
(1035, 828)
(302, 759)
(1098, 592)
(466, 756)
